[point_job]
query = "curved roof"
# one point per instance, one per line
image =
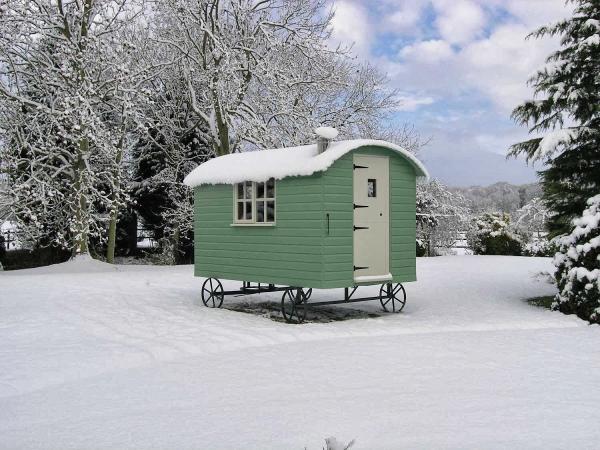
(285, 162)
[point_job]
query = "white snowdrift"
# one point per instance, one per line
(284, 162)
(131, 359)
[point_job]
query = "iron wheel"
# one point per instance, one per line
(392, 297)
(293, 305)
(212, 293)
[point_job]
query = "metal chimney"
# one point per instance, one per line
(324, 137)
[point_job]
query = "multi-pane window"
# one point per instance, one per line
(255, 202)
(244, 202)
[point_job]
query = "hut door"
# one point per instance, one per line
(371, 218)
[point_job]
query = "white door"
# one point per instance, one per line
(371, 218)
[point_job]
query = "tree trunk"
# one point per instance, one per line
(112, 236)
(81, 238)
(222, 129)
(175, 241)
(114, 209)
(82, 213)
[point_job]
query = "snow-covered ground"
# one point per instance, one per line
(93, 356)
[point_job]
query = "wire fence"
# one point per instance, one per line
(145, 238)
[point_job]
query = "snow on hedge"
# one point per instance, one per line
(284, 162)
(578, 265)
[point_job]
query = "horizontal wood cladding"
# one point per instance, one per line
(300, 250)
(289, 252)
(402, 220)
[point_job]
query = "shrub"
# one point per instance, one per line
(492, 236)
(421, 249)
(27, 259)
(540, 247)
(578, 266)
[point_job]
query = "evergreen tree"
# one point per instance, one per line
(578, 266)
(566, 108)
(173, 145)
(157, 188)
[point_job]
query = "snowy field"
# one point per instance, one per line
(94, 358)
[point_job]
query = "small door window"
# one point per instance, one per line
(372, 187)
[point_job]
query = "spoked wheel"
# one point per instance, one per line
(392, 297)
(293, 305)
(308, 293)
(212, 293)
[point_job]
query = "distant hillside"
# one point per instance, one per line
(501, 196)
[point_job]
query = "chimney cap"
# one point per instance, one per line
(326, 132)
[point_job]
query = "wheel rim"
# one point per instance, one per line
(212, 293)
(293, 305)
(307, 293)
(392, 297)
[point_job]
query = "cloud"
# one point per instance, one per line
(500, 65)
(459, 21)
(410, 102)
(427, 52)
(405, 17)
(534, 13)
(475, 87)
(494, 68)
(351, 26)
(461, 66)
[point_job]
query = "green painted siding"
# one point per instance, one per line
(298, 250)
(338, 200)
(287, 253)
(338, 195)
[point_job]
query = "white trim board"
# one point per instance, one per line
(371, 278)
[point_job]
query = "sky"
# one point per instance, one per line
(460, 67)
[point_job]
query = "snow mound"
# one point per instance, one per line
(284, 162)
(333, 444)
(326, 132)
(79, 264)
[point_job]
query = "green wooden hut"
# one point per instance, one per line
(332, 214)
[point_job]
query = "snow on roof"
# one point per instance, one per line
(284, 162)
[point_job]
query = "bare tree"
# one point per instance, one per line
(69, 94)
(254, 75)
(260, 74)
(442, 216)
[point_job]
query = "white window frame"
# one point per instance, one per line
(254, 201)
